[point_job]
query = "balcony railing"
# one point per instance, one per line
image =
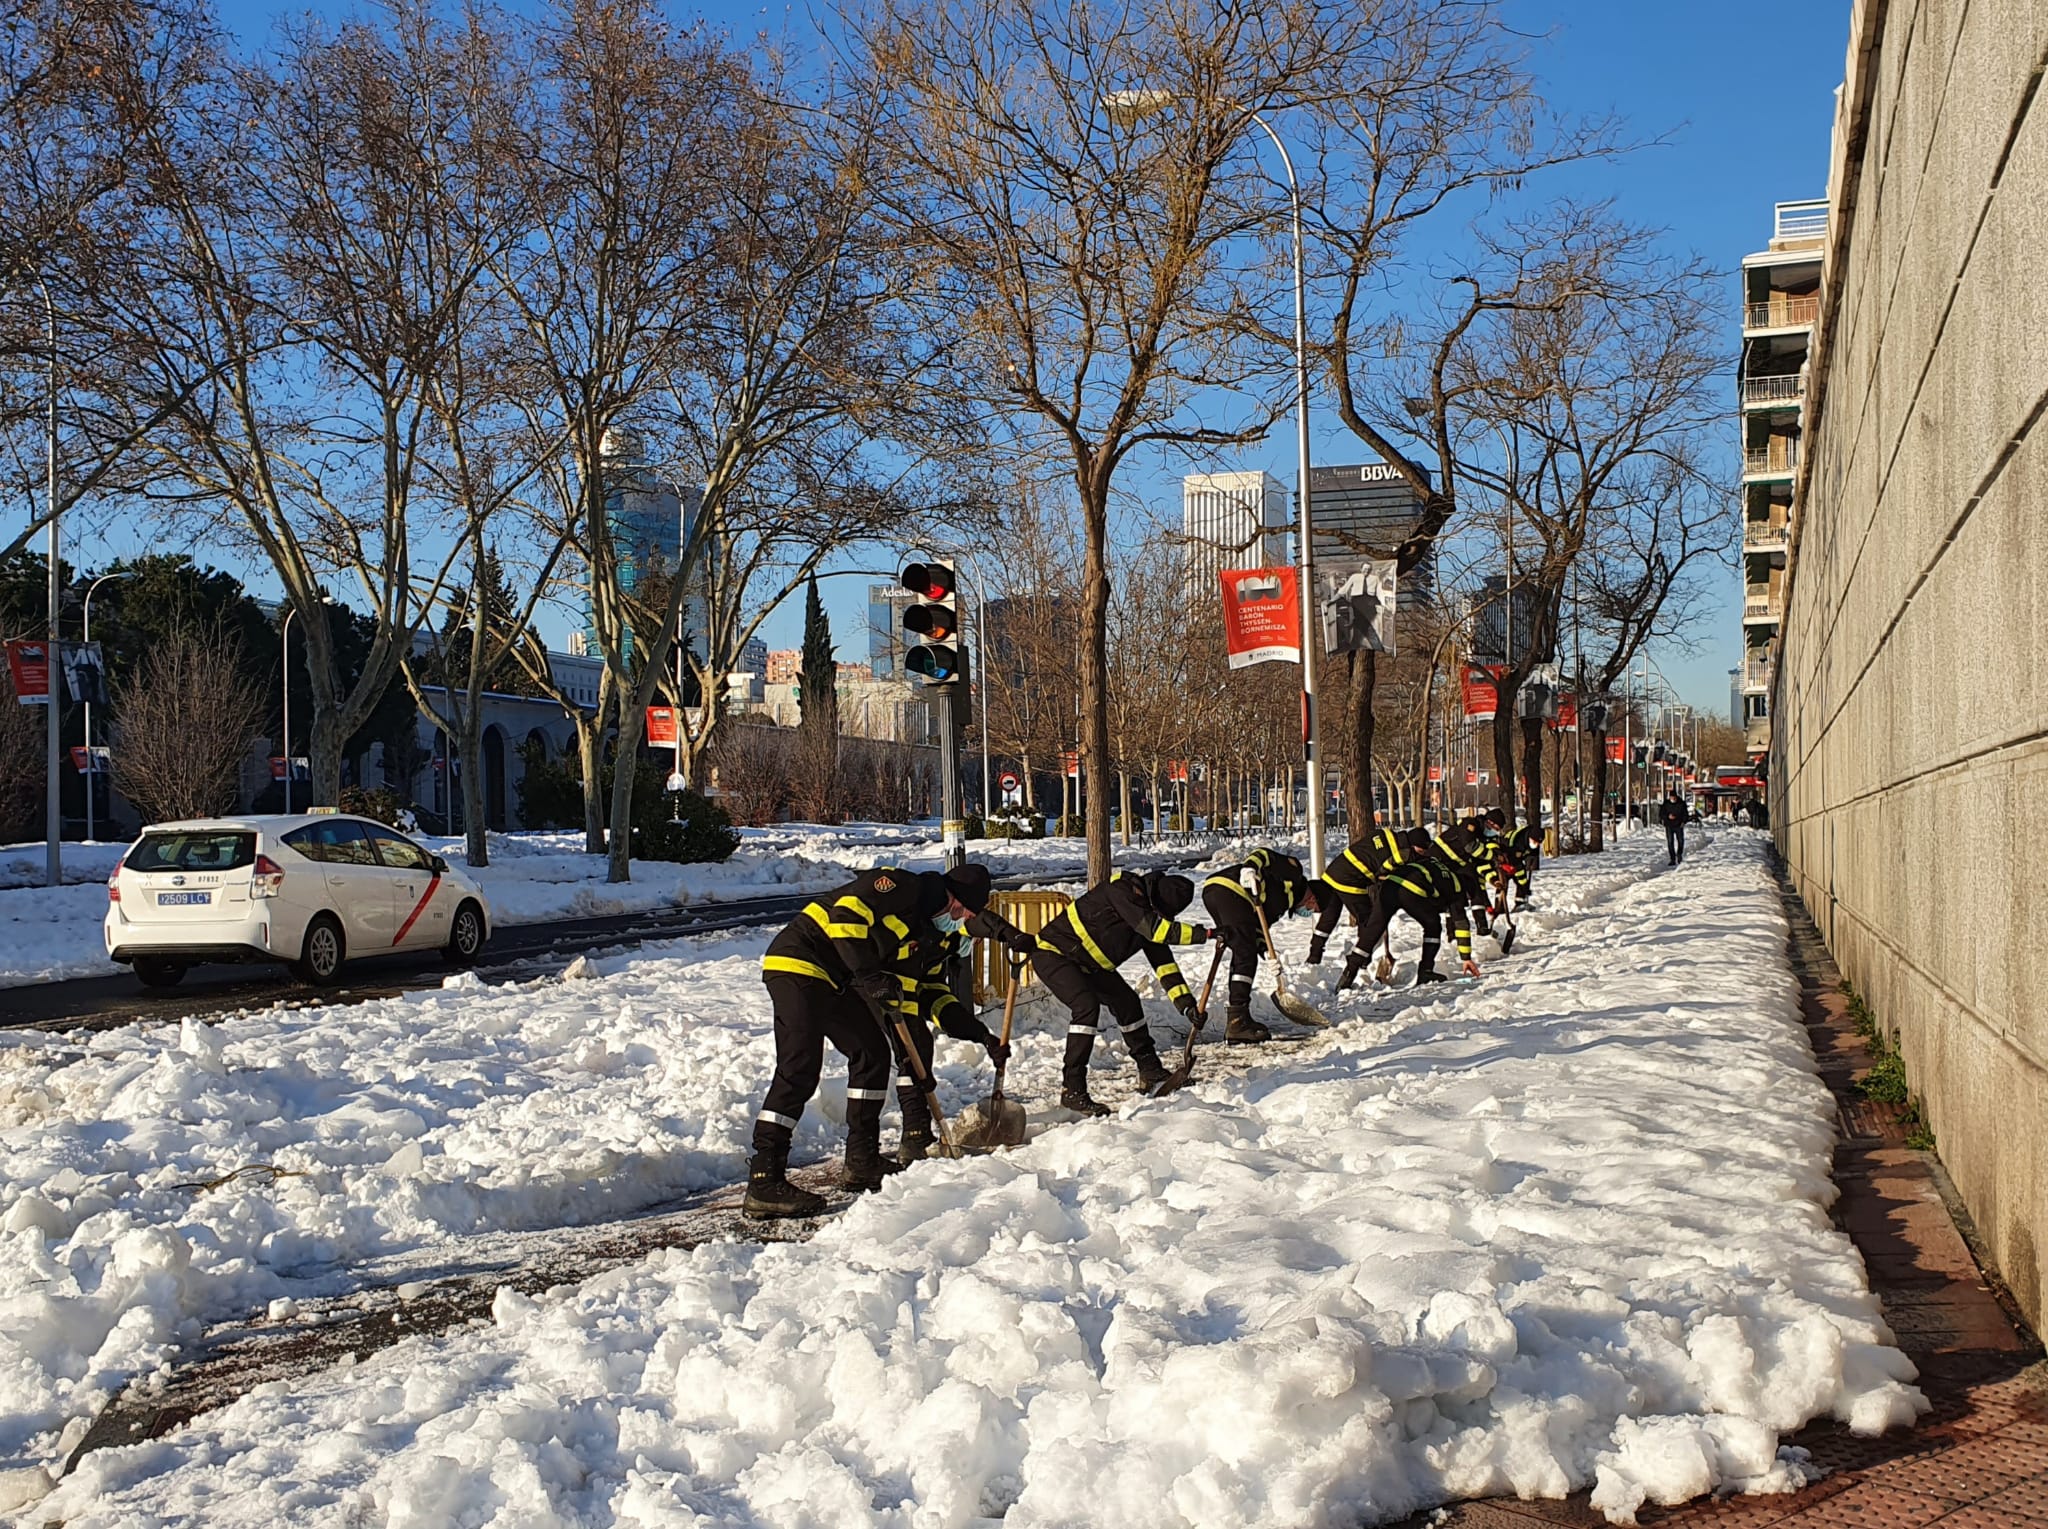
(1762, 536)
(1756, 674)
(1782, 388)
(1769, 459)
(1759, 605)
(1785, 313)
(1802, 220)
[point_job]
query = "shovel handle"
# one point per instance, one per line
(925, 1085)
(1209, 983)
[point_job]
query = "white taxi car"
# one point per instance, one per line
(309, 889)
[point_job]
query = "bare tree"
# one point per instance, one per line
(1087, 268)
(164, 763)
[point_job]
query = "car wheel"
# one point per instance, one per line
(319, 963)
(465, 935)
(159, 973)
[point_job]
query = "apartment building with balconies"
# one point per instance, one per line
(1780, 302)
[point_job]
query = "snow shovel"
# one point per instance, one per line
(1300, 1010)
(1178, 1078)
(1383, 969)
(1002, 1120)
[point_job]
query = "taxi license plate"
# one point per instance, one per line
(171, 899)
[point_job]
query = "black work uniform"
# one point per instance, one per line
(929, 1004)
(1235, 912)
(1350, 881)
(1077, 958)
(1428, 891)
(1524, 851)
(826, 974)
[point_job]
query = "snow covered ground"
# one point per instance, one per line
(47, 935)
(1563, 1227)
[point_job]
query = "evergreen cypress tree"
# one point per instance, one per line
(818, 705)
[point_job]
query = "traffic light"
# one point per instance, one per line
(933, 624)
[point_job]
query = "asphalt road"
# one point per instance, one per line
(517, 952)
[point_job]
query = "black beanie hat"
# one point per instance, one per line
(1170, 894)
(970, 884)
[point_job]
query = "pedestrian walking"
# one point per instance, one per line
(1673, 817)
(1077, 957)
(835, 973)
(1267, 882)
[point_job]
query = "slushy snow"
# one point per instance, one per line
(1565, 1228)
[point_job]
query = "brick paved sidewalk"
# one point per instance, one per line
(1979, 1460)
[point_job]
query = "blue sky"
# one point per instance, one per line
(1741, 89)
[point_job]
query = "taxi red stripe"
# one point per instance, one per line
(417, 909)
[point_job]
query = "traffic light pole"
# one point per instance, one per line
(952, 825)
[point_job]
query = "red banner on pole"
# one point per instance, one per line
(1177, 772)
(1071, 763)
(1482, 693)
(1261, 616)
(28, 665)
(1436, 773)
(661, 727)
(1617, 750)
(1471, 777)
(1567, 718)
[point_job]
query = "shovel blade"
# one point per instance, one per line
(1300, 1010)
(994, 1122)
(1507, 939)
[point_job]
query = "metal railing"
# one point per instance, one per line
(1762, 536)
(1756, 675)
(1781, 388)
(1767, 459)
(1759, 605)
(1786, 313)
(1802, 220)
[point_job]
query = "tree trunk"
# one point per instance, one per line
(324, 789)
(1504, 753)
(469, 747)
(1094, 487)
(1600, 797)
(1532, 769)
(625, 765)
(590, 753)
(1123, 786)
(1358, 720)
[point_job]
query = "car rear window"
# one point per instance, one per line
(197, 850)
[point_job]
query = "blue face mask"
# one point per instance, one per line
(947, 924)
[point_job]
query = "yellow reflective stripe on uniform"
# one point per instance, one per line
(1403, 881)
(856, 905)
(908, 984)
(816, 914)
(1088, 940)
(1231, 882)
(1449, 854)
(896, 926)
(1364, 871)
(796, 967)
(1170, 978)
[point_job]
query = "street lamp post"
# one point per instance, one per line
(1130, 106)
(53, 816)
(286, 665)
(89, 760)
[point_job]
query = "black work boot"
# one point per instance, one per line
(915, 1146)
(1315, 950)
(1241, 1029)
(1481, 923)
(1353, 965)
(865, 1165)
(1074, 1074)
(770, 1195)
(1138, 1041)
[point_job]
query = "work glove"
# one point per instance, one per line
(998, 1051)
(877, 987)
(1203, 933)
(1186, 1004)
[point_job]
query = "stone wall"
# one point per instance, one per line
(1909, 766)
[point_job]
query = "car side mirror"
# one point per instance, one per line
(440, 866)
